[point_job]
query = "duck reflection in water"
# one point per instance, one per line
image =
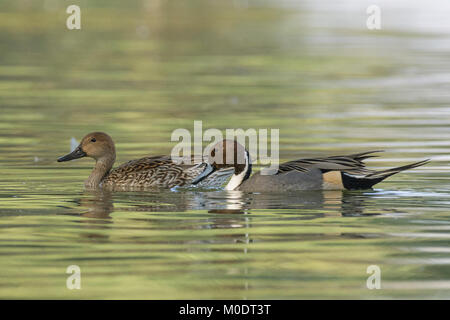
(224, 210)
(100, 203)
(96, 204)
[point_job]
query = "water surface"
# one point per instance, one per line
(142, 69)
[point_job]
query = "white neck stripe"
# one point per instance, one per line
(237, 179)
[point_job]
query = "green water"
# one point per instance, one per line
(142, 69)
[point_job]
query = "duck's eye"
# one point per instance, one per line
(93, 140)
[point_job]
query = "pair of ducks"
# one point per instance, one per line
(330, 173)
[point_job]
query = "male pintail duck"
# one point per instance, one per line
(148, 172)
(329, 173)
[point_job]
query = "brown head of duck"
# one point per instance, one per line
(99, 146)
(228, 154)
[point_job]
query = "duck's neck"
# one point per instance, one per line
(102, 167)
(237, 179)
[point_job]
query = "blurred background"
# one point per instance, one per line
(139, 69)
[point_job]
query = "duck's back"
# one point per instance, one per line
(330, 173)
(308, 174)
(161, 172)
(157, 171)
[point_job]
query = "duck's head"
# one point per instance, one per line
(228, 154)
(96, 145)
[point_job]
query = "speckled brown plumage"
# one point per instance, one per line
(148, 172)
(158, 171)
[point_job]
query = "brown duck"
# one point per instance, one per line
(148, 172)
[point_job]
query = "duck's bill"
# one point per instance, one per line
(209, 169)
(76, 154)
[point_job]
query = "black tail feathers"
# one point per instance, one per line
(358, 183)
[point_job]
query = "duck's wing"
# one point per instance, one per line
(196, 166)
(348, 172)
(163, 172)
(348, 163)
(143, 164)
(216, 179)
(155, 171)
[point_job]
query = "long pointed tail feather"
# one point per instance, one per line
(392, 171)
(352, 183)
